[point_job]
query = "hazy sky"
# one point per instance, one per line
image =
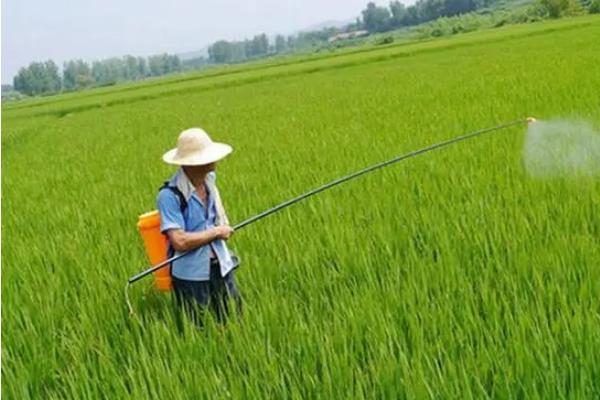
(36, 30)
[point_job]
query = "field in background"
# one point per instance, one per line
(453, 275)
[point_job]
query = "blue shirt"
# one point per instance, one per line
(194, 266)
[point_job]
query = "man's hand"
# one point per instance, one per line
(223, 232)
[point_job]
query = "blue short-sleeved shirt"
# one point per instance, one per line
(194, 266)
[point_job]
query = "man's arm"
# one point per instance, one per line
(173, 225)
(185, 241)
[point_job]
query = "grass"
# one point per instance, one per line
(453, 275)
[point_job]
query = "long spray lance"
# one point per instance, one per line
(331, 184)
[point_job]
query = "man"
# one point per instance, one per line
(193, 218)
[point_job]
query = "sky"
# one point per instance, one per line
(38, 30)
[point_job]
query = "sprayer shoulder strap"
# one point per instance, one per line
(182, 201)
(182, 206)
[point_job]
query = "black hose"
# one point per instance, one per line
(335, 183)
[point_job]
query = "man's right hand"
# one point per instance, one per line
(223, 232)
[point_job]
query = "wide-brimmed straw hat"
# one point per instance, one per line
(195, 147)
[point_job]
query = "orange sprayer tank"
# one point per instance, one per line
(156, 247)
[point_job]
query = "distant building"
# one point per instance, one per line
(347, 35)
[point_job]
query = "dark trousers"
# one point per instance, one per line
(216, 294)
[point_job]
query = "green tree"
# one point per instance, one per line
(454, 7)
(173, 64)
(52, 79)
(194, 63)
(218, 52)
(376, 19)
(354, 26)
(429, 10)
(23, 82)
(237, 52)
(158, 64)
(260, 45)
(77, 75)
(116, 69)
(412, 16)
(84, 81)
(69, 75)
(248, 49)
(99, 72)
(398, 11)
(142, 66)
(131, 68)
(291, 42)
(38, 78)
(280, 44)
(555, 8)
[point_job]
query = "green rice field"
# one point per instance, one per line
(452, 275)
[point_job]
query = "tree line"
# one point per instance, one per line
(374, 19)
(45, 78)
(224, 52)
(41, 78)
(397, 15)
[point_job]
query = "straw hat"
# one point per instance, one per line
(195, 147)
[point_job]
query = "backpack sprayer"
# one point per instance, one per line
(156, 243)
